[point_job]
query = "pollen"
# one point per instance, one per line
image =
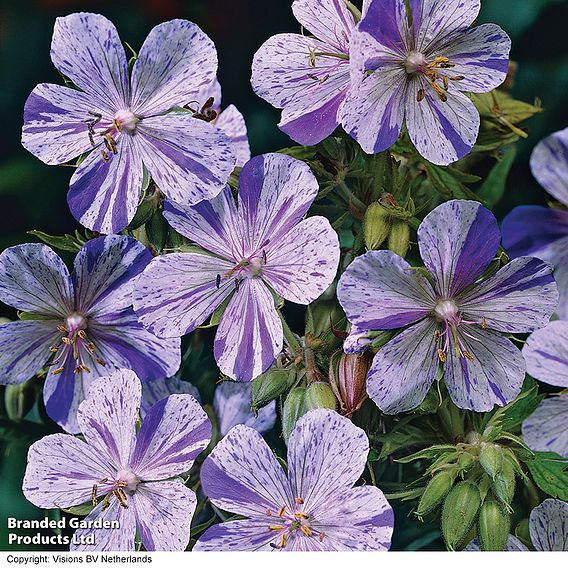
(442, 355)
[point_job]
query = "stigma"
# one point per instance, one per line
(288, 522)
(122, 487)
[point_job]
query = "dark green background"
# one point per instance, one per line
(32, 195)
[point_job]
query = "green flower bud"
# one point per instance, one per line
(399, 237)
(435, 492)
(494, 525)
(319, 395)
(292, 410)
(491, 459)
(376, 226)
(271, 385)
(459, 512)
(19, 399)
(503, 484)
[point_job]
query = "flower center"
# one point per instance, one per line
(415, 61)
(250, 267)
(446, 310)
(126, 120)
(291, 522)
(121, 488)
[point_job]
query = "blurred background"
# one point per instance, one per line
(33, 195)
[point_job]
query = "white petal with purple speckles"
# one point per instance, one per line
(242, 475)
(178, 291)
(188, 158)
(301, 265)
(548, 525)
(357, 340)
(174, 432)
(176, 61)
(108, 416)
(54, 123)
(494, 376)
(326, 456)
(546, 354)
(545, 429)
(86, 48)
(155, 390)
(247, 534)
(34, 279)
(513, 545)
(520, 298)
(404, 369)
(457, 242)
(233, 124)
(379, 290)
(250, 335)
(61, 472)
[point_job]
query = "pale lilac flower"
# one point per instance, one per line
(450, 318)
(126, 475)
(82, 325)
(542, 231)
(249, 250)
(307, 76)
(125, 120)
(545, 429)
(155, 390)
(413, 68)
(232, 406)
(314, 507)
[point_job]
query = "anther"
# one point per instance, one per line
(54, 349)
(306, 530)
(57, 371)
(442, 355)
(275, 527)
(105, 158)
(81, 333)
(420, 95)
(94, 495)
(218, 281)
(62, 329)
(483, 323)
(468, 356)
(281, 511)
(299, 501)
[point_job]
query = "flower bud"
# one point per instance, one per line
(399, 237)
(459, 512)
(268, 387)
(19, 399)
(348, 376)
(494, 525)
(491, 459)
(503, 484)
(319, 395)
(376, 226)
(292, 410)
(435, 492)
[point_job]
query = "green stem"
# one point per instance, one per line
(289, 335)
(348, 195)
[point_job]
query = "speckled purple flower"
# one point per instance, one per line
(542, 231)
(249, 250)
(451, 317)
(155, 390)
(233, 406)
(82, 325)
(126, 475)
(413, 67)
(314, 507)
(307, 76)
(124, 121)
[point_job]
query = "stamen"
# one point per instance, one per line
(275, 527)
(483, 323)
(94, 495)
(299, 501)
(468, 355)
(442, 355)
(218, 281)
(420, 95)
(104, 156)
(306, 530)
(62, 329)
(282, 511)
(57, 371)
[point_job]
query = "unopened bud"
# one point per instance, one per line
(270, 386)
(435, 492)
(348, 376)
(494, 525)
(503, 484)
(459, 512)
(19, 399)
(319, 395)
(292, 410)
(491, 459)
(376, 226)
(399, 237)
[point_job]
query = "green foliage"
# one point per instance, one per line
(550, 473)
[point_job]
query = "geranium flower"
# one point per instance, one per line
(307, 76)
(542, 231)
(249, 250)
(457, 320)
(155, 390)
(413, 66)
(126, 475)
(82, 325)
(314, 507)
(232, 406)
(124, 121)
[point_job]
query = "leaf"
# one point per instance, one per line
(550, 473)
(428, 453)
(63, 242)
(80, 510)
(493, 187)
(449, 182)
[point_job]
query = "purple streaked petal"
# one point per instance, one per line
(379, 290)
(549, 165)
(520, 298)
(188, 158)
(275, 192)
(309, 94)
(163, 513)
(327, 454)
(250, 335)
(156, 390)
(54, 123)
(34, 279)
(481, 56)
(561, 278)
(86, 48)
(212, 224)
(173, 433)
(108, 416)
(357, 341)
(443, 132)
(546, 354)
(105, 272)
(232, 404)
(24, 348)
(247, 534)
(457, 242)
(548, 526)
(233, 124)
(103, 196)
(211, 90)
(175, 63)
(61, 472)
(545, 429)
(387, 22)
(242, 475)
(404, 369)
(302, 264)
(177, 292)
(494, 376)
